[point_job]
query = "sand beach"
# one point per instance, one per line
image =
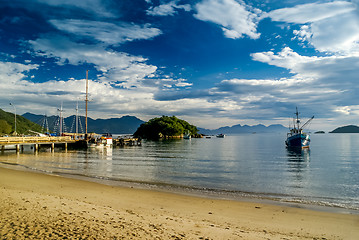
(39, 206)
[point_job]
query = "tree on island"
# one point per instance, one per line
(165, 127)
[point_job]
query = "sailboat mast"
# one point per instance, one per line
(86, 100)
(60, 120)
(77, 118)
(297, 114)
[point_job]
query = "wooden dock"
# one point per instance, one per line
(20, 142)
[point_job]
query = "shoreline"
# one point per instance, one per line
(38, 205)
(267, 198)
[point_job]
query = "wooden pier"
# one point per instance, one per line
(20, 142)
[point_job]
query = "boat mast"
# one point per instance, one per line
(86, 99)
(77, 118)
(297, 114)
(60, 120)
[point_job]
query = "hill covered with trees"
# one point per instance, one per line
(165, 127)
(23, 125)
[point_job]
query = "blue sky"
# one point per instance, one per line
(211, 62)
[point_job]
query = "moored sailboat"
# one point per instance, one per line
(296, 137)
(98, 142)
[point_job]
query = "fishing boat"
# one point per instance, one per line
(221, 135)
(296, 137)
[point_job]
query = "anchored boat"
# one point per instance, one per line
(95, 142)
(296, 137)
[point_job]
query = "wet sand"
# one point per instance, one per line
(39, 206)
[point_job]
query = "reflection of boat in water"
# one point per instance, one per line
(221, 135)
(296, 138)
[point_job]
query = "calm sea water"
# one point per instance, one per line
(255, 165)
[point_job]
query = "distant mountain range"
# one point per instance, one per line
(124, 125)
(245, 129)
(129, 124)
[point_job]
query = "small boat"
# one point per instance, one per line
(100, 142)
(221, 135)
(187, 135)
(296, 137)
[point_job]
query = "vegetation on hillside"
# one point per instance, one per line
(165, 127)
(7, 124)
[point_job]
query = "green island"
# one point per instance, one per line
(165, 128)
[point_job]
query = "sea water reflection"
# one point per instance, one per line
(257, 164)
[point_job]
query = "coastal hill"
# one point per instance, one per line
(7, 124)
(123, 125)
(346, 129)
(245, 129)
(165, 127)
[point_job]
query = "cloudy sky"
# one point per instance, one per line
(211, 62)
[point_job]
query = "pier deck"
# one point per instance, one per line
(19, 142)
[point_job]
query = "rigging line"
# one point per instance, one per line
(72, 125)
(82, 130)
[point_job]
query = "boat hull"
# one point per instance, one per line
(298, 140)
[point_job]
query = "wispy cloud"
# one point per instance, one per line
(311, 12)
(330, 27)
(96, 7)
(114, 66)
(106, 32)
(235, 17)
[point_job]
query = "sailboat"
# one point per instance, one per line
(296, 137)
(95, 142)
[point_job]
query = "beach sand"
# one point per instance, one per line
(39, 206)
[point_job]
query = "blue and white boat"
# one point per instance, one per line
(296, 137)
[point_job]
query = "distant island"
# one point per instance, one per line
(346, 129)
(165, 127)
(237, 129)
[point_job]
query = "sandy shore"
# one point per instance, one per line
(38, 206)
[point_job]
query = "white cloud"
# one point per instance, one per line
(94, 6)
(344, 110)
(115, 66)
(330, 27)
(312, 12)
(108, 33)
(287, 58)
(327, 83)
(106, 100)
(234, 17)
(167, 9)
